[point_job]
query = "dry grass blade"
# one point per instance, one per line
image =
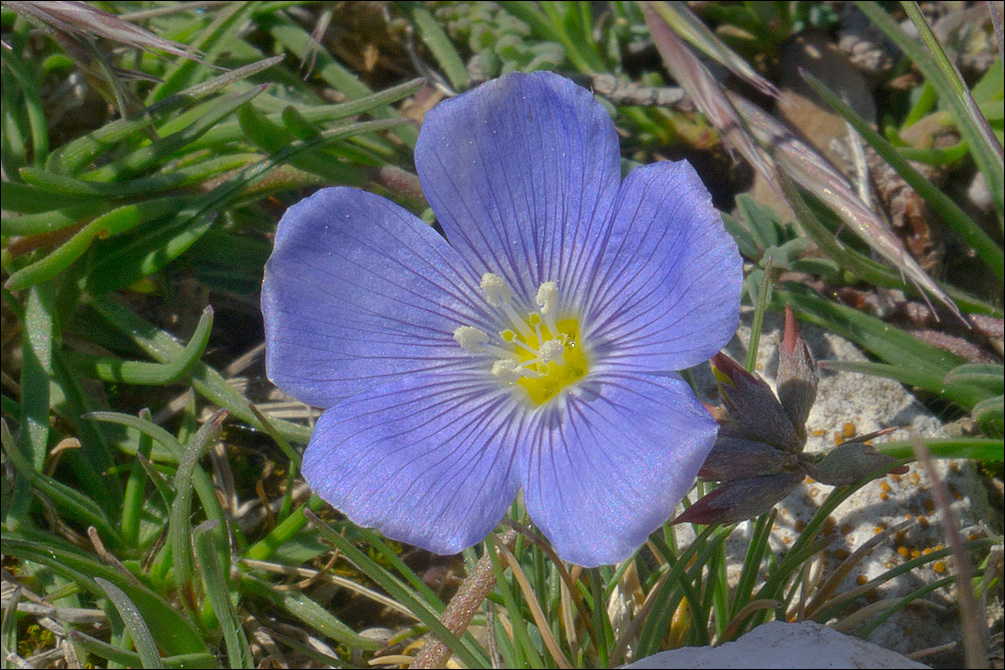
(535, 608)
(812, 171)
(973, 638)
(753, 606)
(996, 10)
(705, 92)
(83, 20)
(849, 623)
(679, 17)
(823, 594)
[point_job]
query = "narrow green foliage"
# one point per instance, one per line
(218, 591)
(36, 369)
(137, 627)
(180, 531)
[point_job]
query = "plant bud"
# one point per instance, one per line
(741, 499)
(797, 378)
(846, 464)
(734, 458)
(754, 411)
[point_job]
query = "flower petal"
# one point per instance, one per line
(607, 467)
(668, 294)
(357, 291)
(427, 459)
(521, 173)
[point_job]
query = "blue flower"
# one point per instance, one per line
(535, 347)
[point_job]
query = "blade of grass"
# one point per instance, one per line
(298, 41)
(151, 374)
(112, 223)
(892, 345)
(173, 634)
(137, 627)
(180, 529)
(966, 397)
(312, 614)
(763, 300)
(439, 44)
(806, 167)
(129, 659)
(77, 154)
(69, 500)
(679, 17)
(537, 613)
(36, 369)
(984, 449)
(213, 578)
(211, 41)
(147, 254)
(136, 488)
(706, 92)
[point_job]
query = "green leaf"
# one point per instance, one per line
(206, 381)
(172, 633)
(131, 659)
(37, 343)
(238, 649)
(990, 416)
(439, 44)
(399, 591)
(151, 374)
(137, 627)
(889, 343)
(310, 613)
(180, 528)
(977, 448)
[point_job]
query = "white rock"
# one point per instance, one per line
(783, 645)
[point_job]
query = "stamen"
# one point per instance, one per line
(471, 339)
(510, 372)
(553, 350)
(516, 320)
(547, 297)
(547, 300)
(497, 292)
(535, 320)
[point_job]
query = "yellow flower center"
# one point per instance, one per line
(539, 353)
(555, 375)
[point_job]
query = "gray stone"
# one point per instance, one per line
(783, 645)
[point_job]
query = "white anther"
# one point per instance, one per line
(497, 291)
(471, 339)
(507, 371)
(553, 350)
(547, 297)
